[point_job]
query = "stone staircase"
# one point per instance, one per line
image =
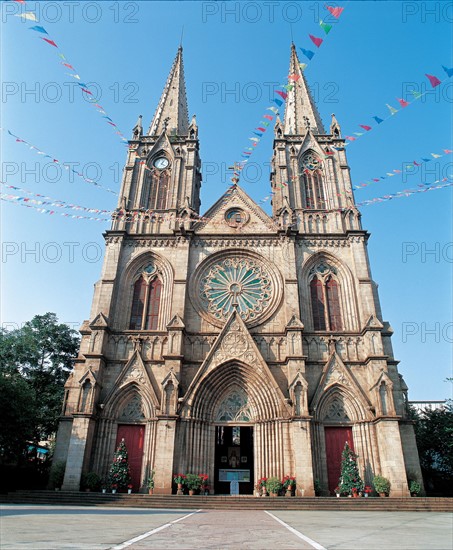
(226, 502)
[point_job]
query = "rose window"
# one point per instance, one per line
(241, 283)
(311, 161)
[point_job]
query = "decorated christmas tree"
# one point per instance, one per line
(350, 481)
(119, 475)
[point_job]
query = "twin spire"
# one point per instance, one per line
(171, 115)
(301, 112)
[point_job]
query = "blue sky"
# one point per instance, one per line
(233, 52)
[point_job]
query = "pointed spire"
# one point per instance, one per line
(300, 105)
(335, 129)
(171, 114)
(137, 131)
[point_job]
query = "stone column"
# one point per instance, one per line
(391, 456)
(79, 451)
(164, 451)
(301, 438)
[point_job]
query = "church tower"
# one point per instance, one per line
(237, 344)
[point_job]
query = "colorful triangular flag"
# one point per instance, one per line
(433, 79)
(37, 28)
(378, 120)
(316, 41)
(447, 70)
(391, 109)
(336, 12)
(325, 27)
(308, 53)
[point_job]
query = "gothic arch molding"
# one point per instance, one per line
(125, 288)
(116, 405)
(214, 388)
(354, 410)
(343, 276)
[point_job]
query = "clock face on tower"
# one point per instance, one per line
(161, 163)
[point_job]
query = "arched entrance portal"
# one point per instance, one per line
(233, 428)
(234, 456)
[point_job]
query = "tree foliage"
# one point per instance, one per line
(434, 435)
(36, 360)
(350, 478)
(119, 475)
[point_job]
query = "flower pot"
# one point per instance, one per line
(179, 491)
(382, 494)
(191, 492)
(129, 491)
(338, 495)
(264, 493)
(288, 493)
(113, 491)
(274, 495)
(150, 491)
(104, 491)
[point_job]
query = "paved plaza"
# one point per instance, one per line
(58, 527)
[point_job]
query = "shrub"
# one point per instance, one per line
(415, 487)
(193, 482)
(274, 485)
(57, 474)
(381, 484)
(91, 481)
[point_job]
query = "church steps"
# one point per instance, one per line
(219, 502)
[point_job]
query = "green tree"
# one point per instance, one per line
(434, 435)
(350, 478)
(17, 413)
(119, 474)
(41, 354)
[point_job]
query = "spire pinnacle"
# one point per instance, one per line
(300, 105)
(171, 113)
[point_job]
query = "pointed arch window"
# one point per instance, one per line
(312, 182)
(159, 190)
(325, 304)
(145, 304)
(156, 189)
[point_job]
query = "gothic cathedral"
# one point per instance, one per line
(237, 344)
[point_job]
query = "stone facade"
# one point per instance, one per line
(237, 319)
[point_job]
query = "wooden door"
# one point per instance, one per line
(134, 437)
(335, 441)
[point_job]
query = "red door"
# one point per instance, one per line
(134, 437)
(335, 440)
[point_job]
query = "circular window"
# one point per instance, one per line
(236, 217)
(311, 161)
(235, 281)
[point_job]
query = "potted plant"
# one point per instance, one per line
(203, 483)
(337, 491)
(57, 475)
(289, 484)
(415, 487)
(180, 480)
(193, 483)
(261, 486)
(150, 482)
(129, 488)
(114, 487)
(381, 485)
(91, 481)
(367, 490)
(274, 486)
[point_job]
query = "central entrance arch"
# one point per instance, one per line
(234, 459)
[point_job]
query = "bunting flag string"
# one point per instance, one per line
(423, 188)
(65, 166)
(45, 200)
(31, 16)
(407, 169)
(13, 200)
(279, 101)
(403, 104)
